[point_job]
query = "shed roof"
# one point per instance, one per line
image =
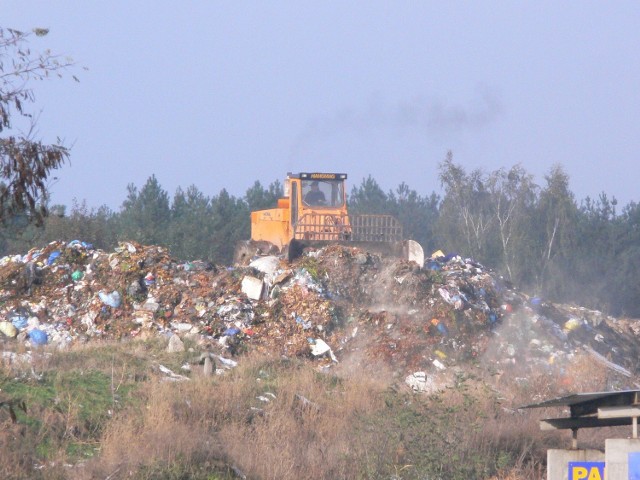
(589, 410)
(623, 397)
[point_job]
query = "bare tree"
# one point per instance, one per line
(556, 210)
(467, 201)
(25, 162)
(513, 194)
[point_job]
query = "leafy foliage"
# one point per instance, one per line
(145, 215)
(258, 198)
(467, 213)
(25, 162)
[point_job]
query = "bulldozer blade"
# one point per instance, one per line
(413, 252)
(407, 250)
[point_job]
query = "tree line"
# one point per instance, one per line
(538, 237)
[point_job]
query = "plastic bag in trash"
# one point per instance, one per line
(433, 265)
(77, 276)
(572, 324)
(78, 243)
(112, 299)
(19, 318)
(38, 337)
(53, 257)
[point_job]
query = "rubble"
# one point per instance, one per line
(175, 344)
(420, 382)
(327, 305)
(252, 287)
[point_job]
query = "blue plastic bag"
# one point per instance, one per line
(38, 337)
(19, 318)
(52, 257)
(230, 332)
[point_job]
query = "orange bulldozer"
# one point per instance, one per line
(313, 213)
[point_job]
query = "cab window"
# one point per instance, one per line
(323, 193)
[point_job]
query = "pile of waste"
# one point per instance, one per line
(332, 304)
(70, 292)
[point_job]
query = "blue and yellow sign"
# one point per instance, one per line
(586, 470)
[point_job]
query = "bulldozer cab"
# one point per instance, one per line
(313, 211)
(322, 193)
(318, 206)
(316, 191)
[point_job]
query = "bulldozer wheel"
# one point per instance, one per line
(294, 249)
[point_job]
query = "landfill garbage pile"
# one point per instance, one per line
(333, 304)
(71, 292)
(454, 311)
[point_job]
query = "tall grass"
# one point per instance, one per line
(267, 419)
(319, 426)
(102, 412)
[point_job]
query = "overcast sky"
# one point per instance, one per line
(220, 94)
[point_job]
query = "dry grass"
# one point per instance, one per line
(273, 418)
(303, 431)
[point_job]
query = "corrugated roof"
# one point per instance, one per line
(584, 398)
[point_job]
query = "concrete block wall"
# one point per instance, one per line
(618, 459)
(558, 461)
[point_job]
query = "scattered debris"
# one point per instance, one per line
(420, 382)
(170, 375)
(327, 305)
